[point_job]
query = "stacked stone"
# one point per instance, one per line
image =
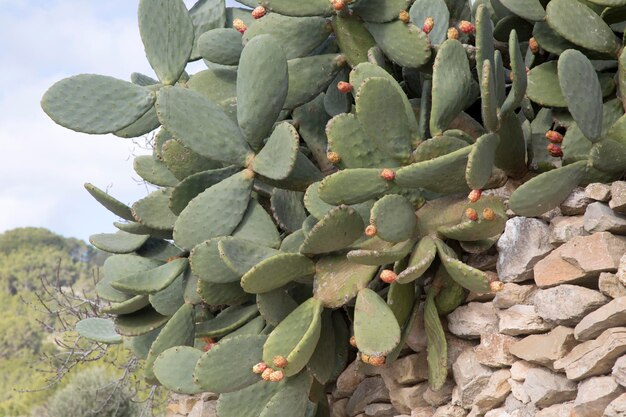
(202, 405)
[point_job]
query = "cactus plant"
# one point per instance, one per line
(324, 176)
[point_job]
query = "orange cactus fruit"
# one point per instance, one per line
(259, 368)
(239, 25)
(475, 195)
(388, 276)
(344, 87)
(471, 214)
(277, 376)
(259, 12)
(280, 361)
(467, 27)
(489, 214)
(371, 230)
(429, 24)
(388, 174)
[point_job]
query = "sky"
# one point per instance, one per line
(43, 166)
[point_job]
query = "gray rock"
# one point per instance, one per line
(564, 229)
(473, 319)
(338, 408)
(621, 270)
(416, 339)
(518, 392)
(557, 410)
(598, 191)
(611, 286)
(494, 393)
(380, 410)
(370, 390)
(594, 395)
(567, 304)
(456, 346)
(513, 294)
(617, 407)
(528, 410)
(521, 320)
(441, 396)
(546, 348)
(610, 315)
(471, 377)
(494, 350)
(520, 369)
(548, 216)
(575, 203)
(348, 381)
(546, 388)
(409, 369)
(618, 196)
(204, 409)
(497, 412)
(619, 371)
(450, 411)
(422, 412)
(405, 399)
(600, 218)
(525, 242)
(511, 403)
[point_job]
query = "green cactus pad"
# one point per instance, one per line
(448, 98)
(338, 280)
(489, 99)
(451, 294)
(353, 186)
(445, 174)
(222, 46)
(436, 147)
(518, 74)
(201, 125)
(159, 249)
(214, 212)
(314, 204)
(438, 10)
(380, 11)
(257, 226)
(142, 126)
(340, 227)
(484, 37)
(152, 280)
(250, 401)
(499, 77)
(241, 255)
(297, 36)
(207, 265)
(353, 38)
(544, 87)
(183, 162)
(400, 299)
(174, 367)
(170, 299)
(99, 330)
(376, 251)
(96, 104)
(319, 365)
(227, 367)
(528, 9)
(154, 171)
(119, 242)
(119, 266)
(195, 184)
(376, 329)
(229, 319)
(311, 119)
(275, 305)
(511, 153)
(220, 294)
(582, 91)
(127, 307)
(142, 79)
(206, 15)
(218, 85)
(140, 229)
(254, 327)
(304, 174)
(468, 277)
(468, 230)
(310, 76)
(394, 218)
(296, 337)
(404, 44)
(276, 271)
(278, 157)
(481, 160)
(292, 243)
(140, 345)
(549, 40)
(110, 203)
(437, 348)
(299, 8)
(609, 156)
(140, 322)
(547, 190)
(567, 17)
(421, 259)
(287, 209)
(153, 210)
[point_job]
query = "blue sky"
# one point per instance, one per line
(43, 166)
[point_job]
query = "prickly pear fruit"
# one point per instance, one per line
(333, 157)
(338, 4)
(344, 87)
(496, 286)
(353, 341)
(429, 24)
(280, 361)
(489, 214)
(388, 174)
(240, 26)
(388, 276)
(404, 16)
(555, 150)
(277, 376)
(267, 373)
(453, 33)
(471, 214)
(467, 27)
(474, 195)
(259, 368)
(533, 45)
(377, 360)
(371, 230)
(554, 136)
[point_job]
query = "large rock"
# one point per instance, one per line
(473, 319)
(546, 348)
(617, 407)
(409, 369)
(567, 304)
(405, 399)
(518, 391)
(441, 396)
(338, 408)
(619, 371)
(416, 339)
(618, 196)
(594, 357)
(520, 369)
(422, 412)
(621, 270)
(348, 380)
(557, 410)
(598, 191)
(494, 350)
(470, 376)
(524, 242)
(575, 203)
(610, 315)
(600, 218)
(546, 388)
(521, 320)
(380, 410)
(494, 393)
(450, 411)
(370, 390)
(456, 346)
(513, 294)
(594, 395)
(610, 285)
(581, 260)
(204, 409)
(564, 229)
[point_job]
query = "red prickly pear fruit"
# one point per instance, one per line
(259, 12)
(239, 25)
(338, 4)
(277, 376)
(353, 341)
(533, 45)
(371, 230)
(475, 195)
(365, 358)
(259, 368)
(280, 361)
(429, 24)
(555, 150)
(333, 157)
(344, 87)
(496, 286)
(554, 136)
(377, 360)
(267, 373)
(388, 174)
(471, 214)
(489, 214)
(467, 27)
(404, 16)
(388, 276)
(453, 33)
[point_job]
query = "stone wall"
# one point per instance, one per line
(551, 344)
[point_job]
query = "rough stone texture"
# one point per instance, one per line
(610, 285)
(600, 218)
(619, 371)
(470, 376)
(594, 395)
(548, 216)
(520, 369)
(409, 369)
(497, 412)
(575, 203)
(598, 191)
(513, 294)
(511, 403)
(524, 242)
(440, 397)
(456, 346)
(473, 319)
(370, 390)
(546, 388)
(517, 390)
(493, 350)
(380, 410)
(617, 408)
(546, 348)
(563, 229)
(528, 410)
(618, 196)
(450, 411)
(348, 381)
(204, 409)
(494, 393)
(580, 260)
(567, 304)
(610, 315)
(621, 270)
(594, 357)
(485, 261)
(422, 412)
(521, 320)
(405, 399)
(416, 339)
(338, 408)
(557, 410)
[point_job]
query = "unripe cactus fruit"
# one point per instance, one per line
(471, 214)
(404, 16)
(388, 174)
(365, 358)
(467, 27)
(371, 230)
(277, 376)
(338, 4)
(259, 368)
(554, 136)
(496, 286)
(533, 45)
(429, 24)
(267, 373)
(239, 25)
(333, 157)
(555, 150)
(489, 214)
(388, 276)
(353, 341)
(474, 195)
(344, 87)
(453, 33)
(377, 360)
(259, 12)
(280, 361)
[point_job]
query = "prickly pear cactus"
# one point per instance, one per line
(320, 183)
